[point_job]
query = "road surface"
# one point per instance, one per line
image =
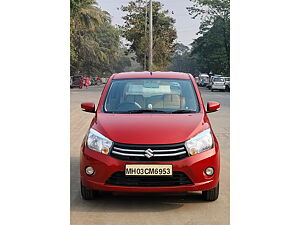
(148, 209)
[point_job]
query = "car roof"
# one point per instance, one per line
(147, 74)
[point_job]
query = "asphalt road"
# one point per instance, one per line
(148, 209)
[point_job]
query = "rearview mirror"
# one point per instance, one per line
(212, 107)
(88, 107)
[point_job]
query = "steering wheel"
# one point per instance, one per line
(126, 106)
(138, 105)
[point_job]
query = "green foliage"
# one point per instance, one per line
(182, 61)
(212, 48)
(95, 44)
(164, 33)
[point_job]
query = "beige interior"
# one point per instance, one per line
(172, 101)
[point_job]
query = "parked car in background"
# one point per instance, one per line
(197, 79)
(76, 81)
(150, 133)
(218, 83)
(204, 80)
(210, 80)
(227, 83)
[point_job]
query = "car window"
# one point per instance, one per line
(76, 78)
(218, 79)
(164, 95)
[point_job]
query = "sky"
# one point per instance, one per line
(186, 26)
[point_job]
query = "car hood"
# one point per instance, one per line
(150, 128)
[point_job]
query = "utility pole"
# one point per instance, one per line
(150, 37)
(146, 23)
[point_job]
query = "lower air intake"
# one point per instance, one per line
(177, 179)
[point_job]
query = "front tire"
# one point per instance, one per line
(211, 195)
(87, 194)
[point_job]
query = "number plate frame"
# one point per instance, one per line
(148, 170)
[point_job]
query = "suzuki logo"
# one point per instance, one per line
(149, 153)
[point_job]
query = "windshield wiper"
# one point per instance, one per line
(184, 111)
(145, 111)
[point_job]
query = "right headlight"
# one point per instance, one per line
(98, 142)
(201, 142)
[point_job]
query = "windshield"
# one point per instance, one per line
(151, 96)
(75, 78)
(218, 79)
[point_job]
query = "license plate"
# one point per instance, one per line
(148, 170)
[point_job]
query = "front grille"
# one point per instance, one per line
(128, 152)
(177, 179)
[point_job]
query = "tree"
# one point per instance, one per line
(183, 61)
(164, 33)
(95, 43)
(212, 48)
(85, 16)
(210, 52)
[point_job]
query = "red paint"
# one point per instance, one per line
(213, 106)
(88, 106)
(192, 166)
(151, 129)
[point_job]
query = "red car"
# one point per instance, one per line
(150, 133)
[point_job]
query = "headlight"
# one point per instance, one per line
(200, 143)
(98, 142)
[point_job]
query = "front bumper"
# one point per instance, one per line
(193, 167)
(218, 87)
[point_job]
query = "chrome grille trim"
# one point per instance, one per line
(155, 155)
(169, 150)
(129, 150)
(156, 150)
(171, 154)
(149, 153)
(127, 154)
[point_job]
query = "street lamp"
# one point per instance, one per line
(150, 36)
(145, 54)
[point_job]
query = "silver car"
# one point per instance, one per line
(204, 80)
(218, 83)
(227, 83)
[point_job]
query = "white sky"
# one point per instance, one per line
(186, 26)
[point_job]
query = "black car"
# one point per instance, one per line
(76, 81)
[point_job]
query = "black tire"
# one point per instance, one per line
(211, 195)
(87, 194)
(212, 90)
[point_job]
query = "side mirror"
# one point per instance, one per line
(88, 107)
(212, 107)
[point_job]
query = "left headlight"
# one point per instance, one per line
(201, 142)
(98, 142)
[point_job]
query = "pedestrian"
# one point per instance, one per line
(87, 82)
(98, 80)
(81, 82)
